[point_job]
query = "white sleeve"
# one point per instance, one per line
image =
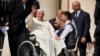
(66, 31)
(28, 18)
(29, 22)
(53, 34)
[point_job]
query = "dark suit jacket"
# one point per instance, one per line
(52, 21)
(97, 0)
(97, 21)
(1, 16)
(0, 22)
(16, 15)
(83, 25)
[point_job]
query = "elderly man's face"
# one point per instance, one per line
(57, 22)
(40, 14)
(24, 1)
(58, 14)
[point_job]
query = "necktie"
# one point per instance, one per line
(76, 15)
(59, 32)
(24, 5)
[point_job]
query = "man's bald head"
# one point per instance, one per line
(59, 12)
(76, 5)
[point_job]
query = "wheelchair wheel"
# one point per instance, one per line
(26, 48)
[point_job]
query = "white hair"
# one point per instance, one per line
(40, 10)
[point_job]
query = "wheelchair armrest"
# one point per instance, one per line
(32, 38)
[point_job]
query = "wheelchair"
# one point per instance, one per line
(30, 47)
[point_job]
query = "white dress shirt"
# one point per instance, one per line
(68, 28)
(24, 5)
(78, 12)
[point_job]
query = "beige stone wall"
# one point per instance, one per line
(50, 7)
(65, 5)
(89, 6)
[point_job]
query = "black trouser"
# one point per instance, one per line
(82, 49)
(1, 39)
(15, 39)
(62, 53)
(97, 47)
(12, 43)
(97, 51)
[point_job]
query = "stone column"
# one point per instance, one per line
(65, 5)
(50, 7)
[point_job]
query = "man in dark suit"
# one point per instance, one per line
(82, 21)
(97, 30)
(17, 11)
(58, 15)
(1, 20)
(1, 24)
(1, 16)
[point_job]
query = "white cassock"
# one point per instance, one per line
(45, 36)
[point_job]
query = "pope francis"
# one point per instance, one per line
(44, 32)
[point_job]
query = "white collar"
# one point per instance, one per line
(78, 12)
(67, 22)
